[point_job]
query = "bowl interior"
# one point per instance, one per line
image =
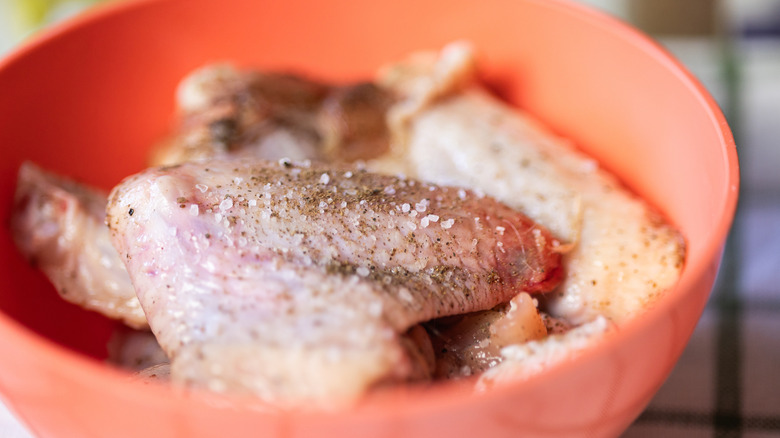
(90, 98)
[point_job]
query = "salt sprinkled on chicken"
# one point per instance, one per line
(226, 204)
(273, 289)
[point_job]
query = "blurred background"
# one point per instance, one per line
(727, 383)
(733, 47)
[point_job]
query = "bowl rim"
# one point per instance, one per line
(438, 397)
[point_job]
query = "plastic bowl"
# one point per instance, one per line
(89, 97)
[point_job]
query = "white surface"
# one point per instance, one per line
(9, 426)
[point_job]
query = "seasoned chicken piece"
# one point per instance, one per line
(272, 116)
(624, 255)
(470, 344)
(134, 350)
(521, 362)
(59, 226)
(300, 282)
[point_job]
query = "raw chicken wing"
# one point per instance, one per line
(299, 282)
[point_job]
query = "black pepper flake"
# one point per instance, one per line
(131, 211)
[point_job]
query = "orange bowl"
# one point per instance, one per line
(90, 97)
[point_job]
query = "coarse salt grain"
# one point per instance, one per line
(218, 218)
(405, 208)
(500, 230)
(324, 178)
(252, 202)
(422, 205)
(202, 187)
(194, 210)
(461, 194)
(348, 174)
(433, 218)
(424, 222)
(390, 190)
(363, 271)
(411, 225)
(448, 224)
(226, 204)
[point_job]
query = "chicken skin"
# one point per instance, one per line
(267, 115)
(57, 224)
(297, 282)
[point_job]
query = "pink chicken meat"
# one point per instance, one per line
(58, 225)
(297, 282)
